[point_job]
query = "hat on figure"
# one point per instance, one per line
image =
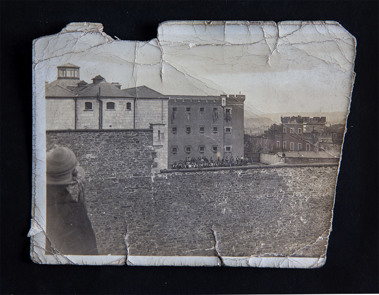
(61, 164)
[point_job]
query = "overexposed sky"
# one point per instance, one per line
(291, 67)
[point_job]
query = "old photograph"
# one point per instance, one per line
(215, 144)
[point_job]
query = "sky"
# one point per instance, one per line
(289, 67)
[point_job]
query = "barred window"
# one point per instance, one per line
(110, 105)
(228, 148)
(88, 105)
(187, 149)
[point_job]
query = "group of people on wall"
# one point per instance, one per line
(204, 162)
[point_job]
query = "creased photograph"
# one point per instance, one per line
(218, 143)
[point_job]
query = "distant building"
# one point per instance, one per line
(183, 126)
(299, 133)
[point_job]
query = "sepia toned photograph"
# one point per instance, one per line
(215, 144)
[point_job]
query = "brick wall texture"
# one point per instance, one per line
(263, 211)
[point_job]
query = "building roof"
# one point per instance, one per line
(58, 91)
(103, 89)
(61, 88)
(68, 65)
(143, 92)
(195, 97)
(98, 77)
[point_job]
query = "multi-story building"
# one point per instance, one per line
(297, 134)
(206, 126)
(183, 126)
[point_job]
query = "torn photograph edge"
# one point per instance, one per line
(37, 231)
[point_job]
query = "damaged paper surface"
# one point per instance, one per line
(215, 144)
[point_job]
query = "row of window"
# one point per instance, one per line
(228, 113)
(88, 106)
(72, 73)
(202, 109)
(201, 149)
(292, 130)
(228, 130)
(292, 146)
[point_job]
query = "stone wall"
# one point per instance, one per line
(120, 117)
(253, 211)
(270, 158)
(87, 119)
(117, 165)
(151, 111)
(262, 211)
(60, 114)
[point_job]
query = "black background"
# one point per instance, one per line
(353, 260)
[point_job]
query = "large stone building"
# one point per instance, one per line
(209, 126)
(183, 126)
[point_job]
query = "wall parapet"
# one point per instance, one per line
(250, 167)
(98, 130)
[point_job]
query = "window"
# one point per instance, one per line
(88, 105)
(228, 130)
(299, 130)
(284, 130)
(214, 148)
(299, 146)
(188, 130)
(174, 130)
(228, 148)
(228, 114)
(308, 147)
(284, 144)
(201, 129)
(201, 149)
(159, 135)
(215, 114)
(214, 129)
(129, 106)
(292, 146)
(278, 144)
(173, 114)
(291, 130)
(188, 113)
(174, 149)
(187, 149)
(201, 110)
(110, 105)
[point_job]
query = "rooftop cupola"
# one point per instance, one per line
(68, 71)
(97, 79)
